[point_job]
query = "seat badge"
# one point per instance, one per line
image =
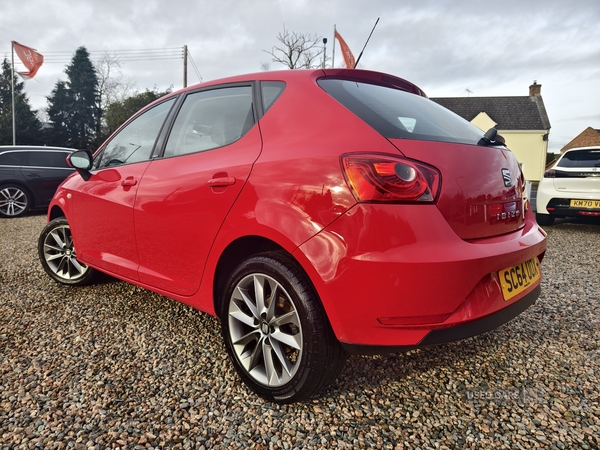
(506, 177)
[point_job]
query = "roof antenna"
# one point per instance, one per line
(361, 52)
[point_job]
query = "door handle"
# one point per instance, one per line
(221, 182)
(129, 181)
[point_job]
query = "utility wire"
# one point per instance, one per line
(150, 54)
(195, 67)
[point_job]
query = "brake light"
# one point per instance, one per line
(382, 178)
(550, 173)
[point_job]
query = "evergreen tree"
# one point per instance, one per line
(73, 106)
(60, 107)
(28, 126)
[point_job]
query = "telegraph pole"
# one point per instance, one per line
(185, 66)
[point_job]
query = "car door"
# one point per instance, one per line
(44, 171)
(102, 221)
(185, 196)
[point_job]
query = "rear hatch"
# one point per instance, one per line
(577, 171)
(481, 192)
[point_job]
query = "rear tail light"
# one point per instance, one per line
(553, 173)
(383, 178)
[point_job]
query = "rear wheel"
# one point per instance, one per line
(58, 256)
(14, 201)
(276, 332)
(544, 219)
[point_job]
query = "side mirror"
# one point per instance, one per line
(82, 161)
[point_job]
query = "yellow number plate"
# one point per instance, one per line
(588, 204)
(516, 279)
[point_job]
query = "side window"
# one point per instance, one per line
(48, 159)
(13, 158)
(210, 119)
(135, 142)
(270, 91)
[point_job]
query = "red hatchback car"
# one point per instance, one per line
(315, 212)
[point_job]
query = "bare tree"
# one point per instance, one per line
(297, 50)
(112, 85)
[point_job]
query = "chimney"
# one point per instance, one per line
(535, 89)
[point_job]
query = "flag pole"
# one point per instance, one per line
(333, 54)
(12, 86)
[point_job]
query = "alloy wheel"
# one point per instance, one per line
(60, 256)
(13, 201)
(265, 330)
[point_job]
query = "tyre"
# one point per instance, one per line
(544, 219)
(58, 256)
(14, 201)
(276, 331)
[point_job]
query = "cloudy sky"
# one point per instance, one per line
(446, 47)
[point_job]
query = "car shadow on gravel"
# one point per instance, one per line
(371, 372)
(593, 221)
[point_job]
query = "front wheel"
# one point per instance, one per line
(58, 256)
(276, 332)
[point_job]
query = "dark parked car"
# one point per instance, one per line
(316, 212)
(29, 177)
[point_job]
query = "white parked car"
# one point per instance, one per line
(571, 188)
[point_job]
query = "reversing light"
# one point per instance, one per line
(384, 178)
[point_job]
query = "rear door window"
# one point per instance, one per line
(211, 119)
(398, 114)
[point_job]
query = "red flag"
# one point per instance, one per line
(32, 59)
(348, 56)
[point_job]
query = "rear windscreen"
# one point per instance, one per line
(401, 115)
(581, 158)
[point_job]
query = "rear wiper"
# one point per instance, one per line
(491, 137)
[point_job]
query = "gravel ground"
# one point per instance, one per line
(115, 366)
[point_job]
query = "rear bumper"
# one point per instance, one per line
(445, 335)
(397, 276)
(561, 207)
(558, 203)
